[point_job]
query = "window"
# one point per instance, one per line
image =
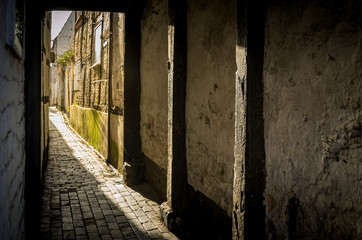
(15, 26)
(97, 43)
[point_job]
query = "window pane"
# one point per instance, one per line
(97, 44)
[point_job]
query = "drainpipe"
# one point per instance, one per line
(110, 84)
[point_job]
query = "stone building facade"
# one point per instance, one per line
(89, 112)
(62, 43)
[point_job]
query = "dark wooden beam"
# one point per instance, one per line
(177, 73)
(249, 168)
(32, 194)
(79, 5)
(133, 162)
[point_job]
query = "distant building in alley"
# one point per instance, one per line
(62, 44)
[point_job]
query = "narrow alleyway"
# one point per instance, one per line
(84, 198)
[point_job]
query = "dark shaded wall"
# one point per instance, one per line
(312, 111)
(153, 102)
(12, 130)
(210, 99)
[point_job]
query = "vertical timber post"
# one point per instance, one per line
(133, 163)
(249, 151)
(32, 193)
(173, 209)
(110, 91)
(240, 124)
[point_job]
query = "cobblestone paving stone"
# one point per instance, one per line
(84, 198)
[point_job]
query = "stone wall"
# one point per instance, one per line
(68, 85)
(211, 30)
(12, 132)
(153, 103)
(116, 120)
(62, 43)
(88, 85)
(91, 91)
(118, 63)
(312, 102)
(92, 125)
(53, 87)
(116, 123)
(60, 88)
(65, 37)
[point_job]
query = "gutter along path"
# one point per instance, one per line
(84, 198)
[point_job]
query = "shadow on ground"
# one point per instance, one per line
(83, 198)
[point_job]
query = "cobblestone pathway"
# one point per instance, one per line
(84, 198)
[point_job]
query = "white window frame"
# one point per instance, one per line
(97, 61)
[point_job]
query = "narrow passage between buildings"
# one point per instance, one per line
(85, 198)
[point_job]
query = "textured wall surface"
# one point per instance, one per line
(312, 97)
(117, 93)
(62, 43)
(65, 37)
(116, 141)
(118, 61)
(68, 86)
(12, 138)
(93, 85)
(153, 105)
(91, 120)
(92, 125)
(53, 86)
(210, 94)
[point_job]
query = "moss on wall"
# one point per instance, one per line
(92, 126)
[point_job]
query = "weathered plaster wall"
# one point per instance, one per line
(65, 36)
(211, 36)
(116, 141)
(53, 86)
(60, 90)
(118, 63)
(12, 138)
(92, 126)
(68, 85)
(117, 98)
(61, 44)
(153, 104)
(312, 101)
